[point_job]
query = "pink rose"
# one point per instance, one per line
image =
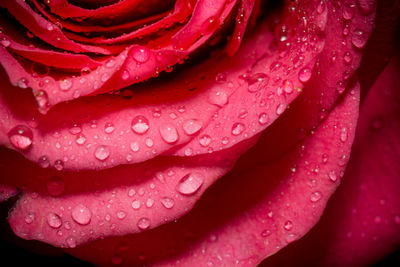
(225, 161)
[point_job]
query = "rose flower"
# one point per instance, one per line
(201, 133)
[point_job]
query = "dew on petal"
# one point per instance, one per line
(21, 137)
(81, 214)
(140, 54)
(143, 223)
(237, 128)
(190, 183)
(140, 124)
(169, 133)
(167, 202)
(192, 126)
(53, 220)
(304, 75)
(102, 153)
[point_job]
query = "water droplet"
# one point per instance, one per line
(110, 63)
(332, 176)
(134, 146)
(44, 162)
(54, 220)
(109, 127)
(343, 134)
(220, 77)
(218, 98)
(149, 202)
(121, 215)
(23, 83)
(125, 75)
(205, 140)
(280, 108)
(81, 214)
(190, 183)
(21, 137)
(191, 127)
(71, 242)
(5, 42)
(136, 204)
(263, 119)
(104, 77)
(140, 124)
(55, 186)
(237, 128)
(288, 87)
(169, 133)
(140, 54)
(315, 196)
(304, 75)
(65, 84)
(265, 233)
(348, 11)
(29, 218)
(149, 142)
(255, 80)
(80, 139)
(59, 165)
(102, 153)
(288, 225)
(75, 129)
(347, 57)
(359, 38)
(167, 202)
(143, 223)
(42, 99)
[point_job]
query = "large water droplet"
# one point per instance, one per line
(44, 162)
(263, 119)
(55, 186)
(23, 83)
(191, 127)
(109, 127)
(332, 176)
(167, 202)
(21, 137)
(237, 128)
(102, 153)
(81, 214)
(80, 139)
(143, 223)
(140, 124)
(54, 220)
(169, 133)
(140, 54)
(280, 108)
(190, 183)
(71, 242)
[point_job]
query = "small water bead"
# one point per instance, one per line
(288, 225)
(134, 146)
(110, 63)
(263, 119)
(169, 133)
(304, 75)
(136, 204)
(255, 80)
(21, 137)
(102, 152)
(265, 233)
(59, 165)
(121, 215)
(140, 54)
(143, 223)
(42, 99)
(280, 108)
(109, 127)
(80, 139)
(332, 176)
(288, 87)
(192, 126)
(348, 11)
(167, 202)
(23, 83)
(55, 186)
(140, 124)
(237, 128)
(359, 38)
(205, 140)
(343, 134)
(149, 202)
(65, 84)
(149, 142)
(44, 162)
(190, 183)
(348, 57)
(5, 42)
(81, 214)
(218, 98)
(315, 196)
(54, 221)
(29, 218)
(70, 242)
(75, 129)
(125, 75)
